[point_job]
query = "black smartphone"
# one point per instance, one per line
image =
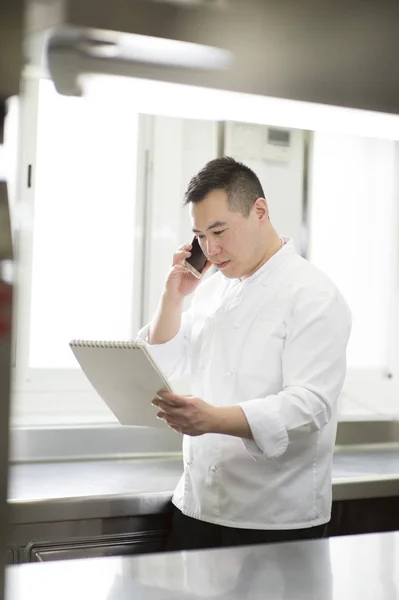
(196, 263)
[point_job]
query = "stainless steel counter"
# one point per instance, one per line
(366, 472)
(345, 568)
(46, 492)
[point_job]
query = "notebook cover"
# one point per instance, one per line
(125, 377)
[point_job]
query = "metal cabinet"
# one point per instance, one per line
(139, 543)
(118, 536)
(88, 538)
(364, 515)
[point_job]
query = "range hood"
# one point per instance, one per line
(333, 52)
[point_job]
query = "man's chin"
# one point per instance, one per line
(228, 271)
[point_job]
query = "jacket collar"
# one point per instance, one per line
(274, 263)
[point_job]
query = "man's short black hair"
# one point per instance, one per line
(240, 182)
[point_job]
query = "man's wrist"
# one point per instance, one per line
(170, 301)
(230, 420)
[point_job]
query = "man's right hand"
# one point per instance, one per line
(180, 281)
(179, 284)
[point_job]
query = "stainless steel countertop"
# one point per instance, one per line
(366, 472)
(44, 492)
(362, 567)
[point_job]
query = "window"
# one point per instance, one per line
(79, 254)
(353, 207)
(353, 224)
(84, 222)
(79, 230)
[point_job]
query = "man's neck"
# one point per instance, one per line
(275, 244)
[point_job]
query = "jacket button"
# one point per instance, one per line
(229, 373)
(213, 469)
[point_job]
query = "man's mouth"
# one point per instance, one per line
(222, 265)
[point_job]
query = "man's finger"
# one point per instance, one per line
(171, 421)
(169, 409)
(179, 256)
(173, 412)
(171, 399)
(180, 269)
(187, 246)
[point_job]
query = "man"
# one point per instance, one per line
(265, 343)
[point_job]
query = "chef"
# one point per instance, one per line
(264, 343)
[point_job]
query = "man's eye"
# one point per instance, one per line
(200, 237)
(219, 232)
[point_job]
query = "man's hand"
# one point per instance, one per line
(180, 282)
(186, 414)
(192, 416)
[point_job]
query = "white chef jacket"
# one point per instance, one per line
(274, 344)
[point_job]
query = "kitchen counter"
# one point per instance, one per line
(362, 567)
(45, 492)
(366, 472)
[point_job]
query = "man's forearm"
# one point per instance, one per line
(167, 320)
(231, 420)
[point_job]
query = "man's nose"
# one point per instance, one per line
(212, 247)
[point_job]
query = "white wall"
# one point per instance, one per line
(282, 181)
(179, 149)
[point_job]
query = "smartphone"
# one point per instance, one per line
(196, 263)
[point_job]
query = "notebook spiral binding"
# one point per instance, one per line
(105, 344)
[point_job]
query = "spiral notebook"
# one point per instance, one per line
(125, 376)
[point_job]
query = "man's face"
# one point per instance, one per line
(229, 240)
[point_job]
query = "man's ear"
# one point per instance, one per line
(261, 209)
